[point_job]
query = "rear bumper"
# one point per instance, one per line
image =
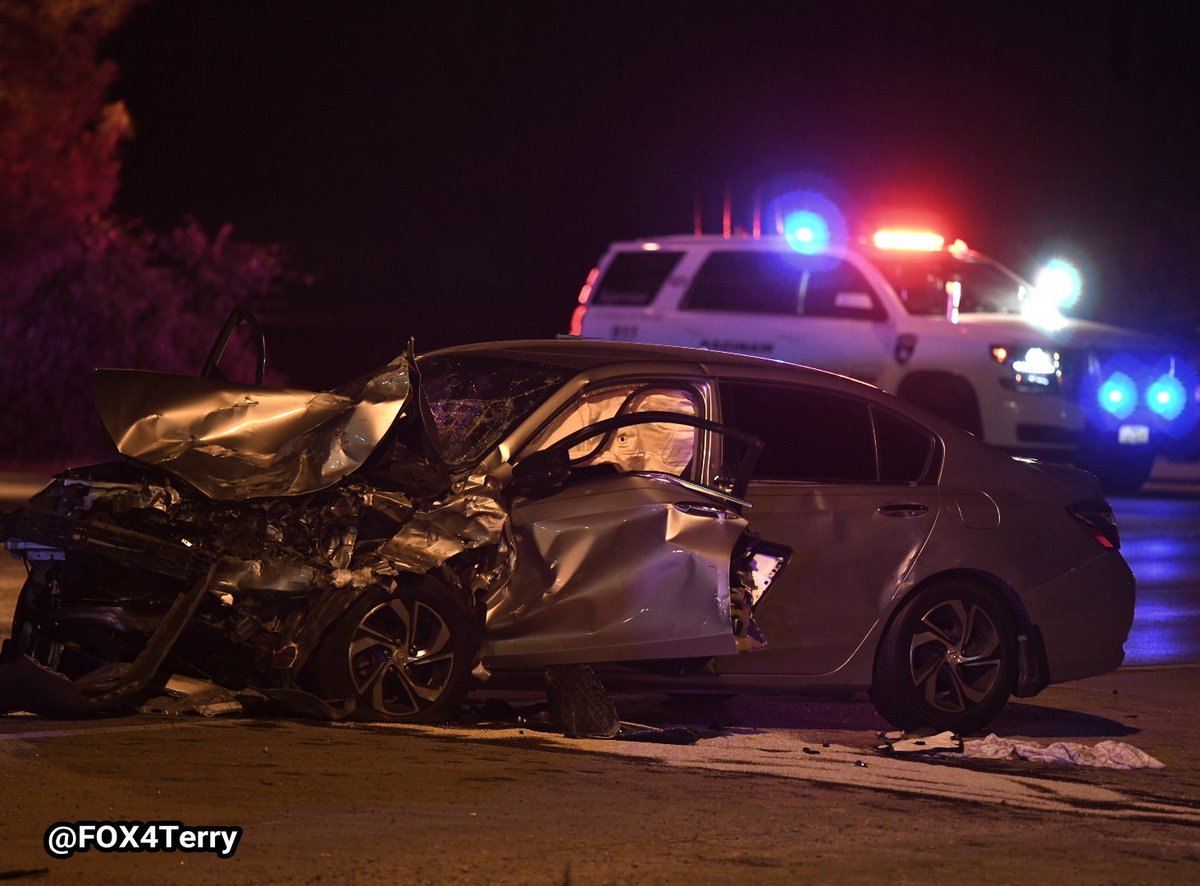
(1084, 618)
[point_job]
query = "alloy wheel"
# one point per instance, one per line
(955, 655)
(401, 656)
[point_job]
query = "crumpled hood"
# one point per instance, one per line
(234, 441)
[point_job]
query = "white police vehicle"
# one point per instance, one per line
(938, 324)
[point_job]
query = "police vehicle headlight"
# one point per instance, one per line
(1033, 369)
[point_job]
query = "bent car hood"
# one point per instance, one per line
(234, 441)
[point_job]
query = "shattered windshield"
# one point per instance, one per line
(474, 401)
(924, 284)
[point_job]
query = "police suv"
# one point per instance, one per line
(938, 324)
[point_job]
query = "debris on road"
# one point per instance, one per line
(918, 742)
(1106, 754)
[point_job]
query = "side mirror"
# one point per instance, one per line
(541, 471)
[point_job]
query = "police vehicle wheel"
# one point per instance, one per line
(402, 654)
(947, 660)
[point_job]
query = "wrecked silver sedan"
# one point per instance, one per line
(662, 514)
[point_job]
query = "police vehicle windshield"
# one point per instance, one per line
(937, 284)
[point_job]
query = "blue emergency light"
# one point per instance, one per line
(807, 232)
(1167, 397)
(1118, 395)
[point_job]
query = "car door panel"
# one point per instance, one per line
(836, 583)
(614, 562)
(618, 568)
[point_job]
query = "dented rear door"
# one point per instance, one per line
(847, 484)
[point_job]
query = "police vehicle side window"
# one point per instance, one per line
(839, 290)
(634, 278)
(749, 282)
(809, 434)
(775, 283)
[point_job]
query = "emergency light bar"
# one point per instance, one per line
(921, 241)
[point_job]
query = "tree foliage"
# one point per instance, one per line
(124, 297)
(59, 135)
(80, 288)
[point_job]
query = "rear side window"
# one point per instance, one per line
(781, 283)
(819, 436)
(809, 434)
(634, 278)
(751, 282)
(908, 453)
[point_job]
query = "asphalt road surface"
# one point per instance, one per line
(783, 791)
(777, 789)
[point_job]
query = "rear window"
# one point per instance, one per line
(780, 283)
(634, 278)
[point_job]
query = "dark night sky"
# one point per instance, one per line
(453, 170)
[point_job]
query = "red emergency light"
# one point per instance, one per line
(585, 295)
(897, 238)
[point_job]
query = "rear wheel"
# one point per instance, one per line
(402, 654)
(947, 660)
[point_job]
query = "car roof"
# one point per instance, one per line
(766, 242)
(582, 354)
(615, 358)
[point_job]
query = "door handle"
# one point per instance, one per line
(905, 509)
(697, 509)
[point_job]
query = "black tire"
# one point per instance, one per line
(947, 660)
(402, 654)
(21, 636)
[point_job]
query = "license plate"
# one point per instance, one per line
(1133, 435)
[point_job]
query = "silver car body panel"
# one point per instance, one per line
(990, 517)
(833, 590)
(617, 568)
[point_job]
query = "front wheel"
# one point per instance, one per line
(401, 654)
(947, 660)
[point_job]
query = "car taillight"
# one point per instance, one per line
(585, 294)
(1096, 517)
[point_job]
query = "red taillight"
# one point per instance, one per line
(1096, 518)
(585, 293)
